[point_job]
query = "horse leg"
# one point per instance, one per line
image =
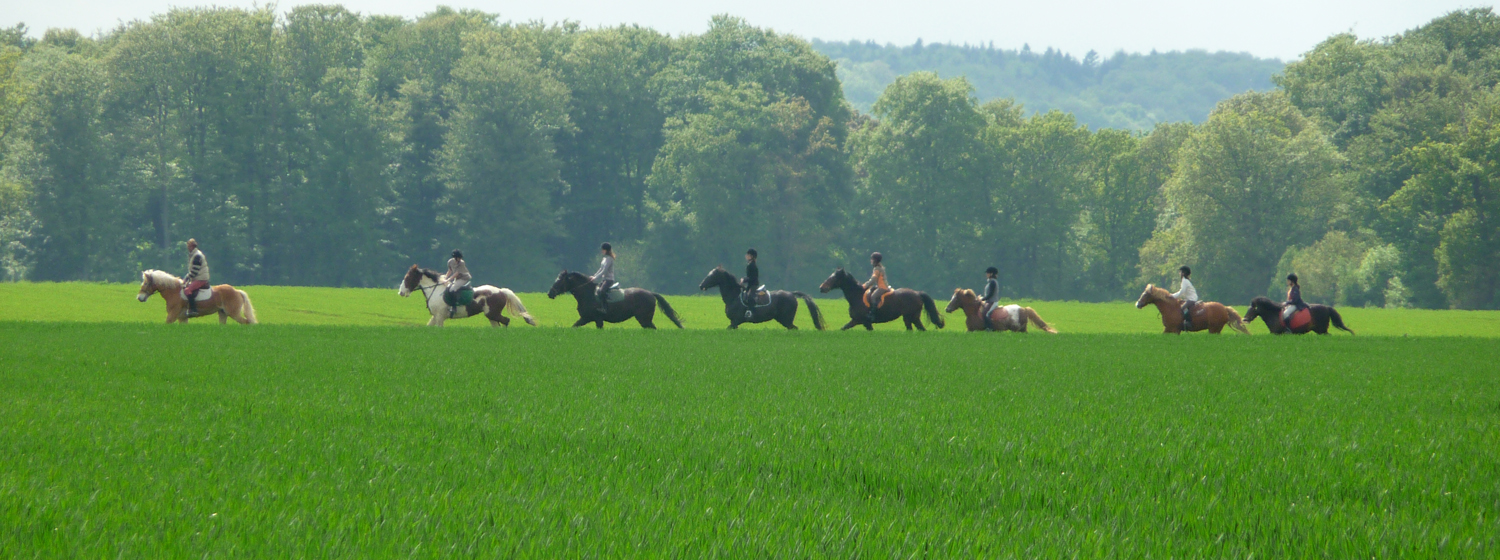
(499, 321)
(599, 324)
(847, 326)
(223, 317)
(645, 319)
(582, 321)
(786, 321)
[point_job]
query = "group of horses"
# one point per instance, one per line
(781, 306)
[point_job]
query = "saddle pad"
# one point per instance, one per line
(463, 297)
(616, 293)
(1006, 316)
(204, 294)
(1300, 319)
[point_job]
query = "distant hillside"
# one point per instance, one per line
(1132, 91)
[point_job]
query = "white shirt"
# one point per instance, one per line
(1186, 291)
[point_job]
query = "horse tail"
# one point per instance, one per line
(666, 308)
(1338, 321)
(817, 314)
(513, 304)
(1036, 320)
(249, 310)
(932, 312)
(1235, 321)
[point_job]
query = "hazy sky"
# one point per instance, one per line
(1269, 28)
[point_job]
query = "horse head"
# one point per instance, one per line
(716, 277)
(417, 277)
(961, 297)
(564, 279)
(835, 280)
(1260, 307)
(1148, 296)
(148, 286)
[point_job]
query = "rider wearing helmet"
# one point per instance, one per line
(605, 277)
(196, 277)
(1294, 301)
(876, 284)
(1188, 295)
(457, 277)
(751, 281)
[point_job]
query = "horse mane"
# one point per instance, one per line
(1262, 300)
(161, 279)
(429, 273)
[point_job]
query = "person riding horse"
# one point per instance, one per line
(1188, 296)
(991, 294)
(1294, 301)
(457, 277)
(605, 277)
(876, 287)
(750, 283)
(196, 277)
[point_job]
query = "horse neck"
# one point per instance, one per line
(585, 288)
(1167, 303)
(852, 290)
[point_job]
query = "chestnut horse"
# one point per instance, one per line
(1002, 317)
(488, 300)
(1207, 315)
(227, 302)
(907, 304)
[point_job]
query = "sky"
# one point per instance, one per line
(1281, 29)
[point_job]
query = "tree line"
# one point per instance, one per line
(324, 147)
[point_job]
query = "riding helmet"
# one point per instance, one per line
(992, 270)
(1185, 271)
(457, 254)
(875, 256)
(606, 247)
(1292, 278)
(752, 253)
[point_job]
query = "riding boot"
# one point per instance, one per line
(192, 305)
(452, 311)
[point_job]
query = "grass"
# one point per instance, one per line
(123, 437)
(84, 302)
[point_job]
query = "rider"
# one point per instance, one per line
(876, 284)
(605, 277)
(1294, 301)
(196, 277)
(991, 293)
(457, 277)
(1188, 295)
(751, 281)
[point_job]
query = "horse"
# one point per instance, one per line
(1270, 314)
(1208, 315)
(782, 306)
(1002, 318)
(227, 301)
(904, 303)
(489, 301)
(634, 302)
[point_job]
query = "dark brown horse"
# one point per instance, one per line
(633, 303)
(781, 308)
(906, 304)
(1270, 314)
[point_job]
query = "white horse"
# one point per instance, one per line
(488, 300)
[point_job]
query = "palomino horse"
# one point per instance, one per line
(782, 308)
(1270, 314)
(1002, 318)
(228, 302)
(634, 303)
(904, 303)
(1209, 315)
(488, 300)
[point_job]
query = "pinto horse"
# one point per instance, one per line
(1270, 314)
(636, 303)
(782, 308)
(489, 301)
(1207, 315)
(1002, 318)
(227, 301)
(906, 304)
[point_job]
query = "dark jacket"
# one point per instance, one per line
(752, 276)
(991, 291)
(1294, 297)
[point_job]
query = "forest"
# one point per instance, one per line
(1130, 91)
(318, 146)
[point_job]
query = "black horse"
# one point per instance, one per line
(904, 303)
(636, 303)
(1270, 314)
(782, 307)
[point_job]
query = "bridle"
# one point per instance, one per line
(426, 296)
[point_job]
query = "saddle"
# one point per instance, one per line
(615, 292)
(875, 297)
(462, 298)
(762, 297)
(1296, 320)
(205, 293)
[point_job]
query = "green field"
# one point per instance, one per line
(322, 433)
